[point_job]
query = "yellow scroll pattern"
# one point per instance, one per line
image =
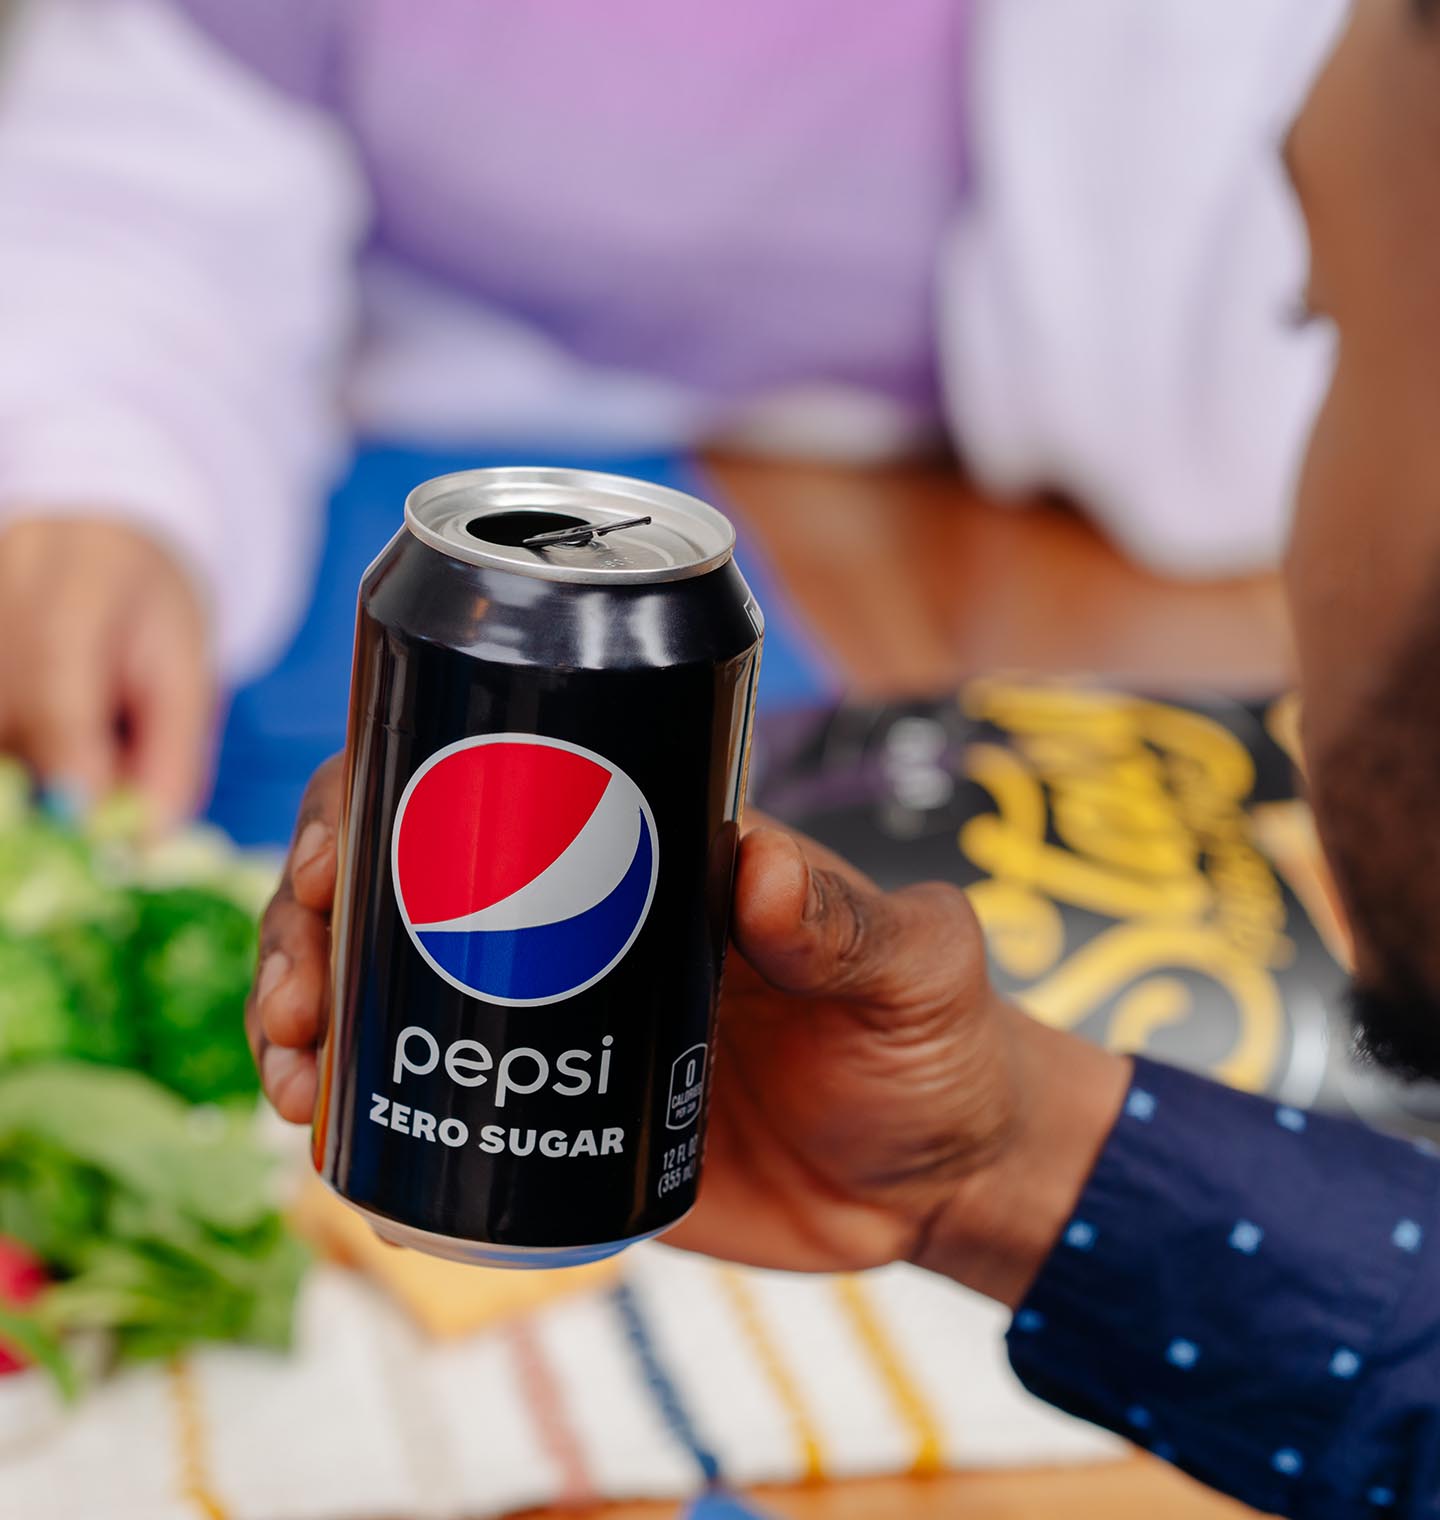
(1134, 812)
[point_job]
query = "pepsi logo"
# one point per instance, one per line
(524, 867)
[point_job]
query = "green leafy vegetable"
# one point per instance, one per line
(36, 1011)
(158, 1218)
(194, 955)
(125, 954)
(124, 969)
(95, 963)
(48, 877)
(39, 1347)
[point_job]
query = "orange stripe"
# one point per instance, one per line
(787, 1390)
(192, 1444)
(545, 1396)
(905, 1394)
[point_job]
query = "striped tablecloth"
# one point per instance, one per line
(679, 1371)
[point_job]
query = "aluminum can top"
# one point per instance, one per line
(484, 517)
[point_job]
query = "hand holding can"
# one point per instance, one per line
(872, 1098)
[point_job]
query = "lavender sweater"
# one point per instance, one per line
(233, 232)
(736, 196)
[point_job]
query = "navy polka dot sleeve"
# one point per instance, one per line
(1251, 1291)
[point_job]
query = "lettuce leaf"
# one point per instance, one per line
(158, 1219)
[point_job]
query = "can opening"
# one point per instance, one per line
(513, 528)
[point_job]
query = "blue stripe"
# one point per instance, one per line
(548, 960)
(718, 1504)
(666, 1396)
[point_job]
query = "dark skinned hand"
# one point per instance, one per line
(873, 1098)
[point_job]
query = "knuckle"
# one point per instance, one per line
(844, 913)
(21, 540)
(274, 921)
(254, 1035)
(56, 712)
(943, 902)
(79, 611)
(320, 792)
(947, 956)
(284, 1018)
(330, 773)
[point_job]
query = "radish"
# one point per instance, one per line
(22, 1280)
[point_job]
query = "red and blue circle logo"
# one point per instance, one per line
(524, 867)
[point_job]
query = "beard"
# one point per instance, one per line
(1375, 788)
(1398, 1030)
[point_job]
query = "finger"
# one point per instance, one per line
(752, 819)
(795, 922)
(310, 867)
(815, 852)
(254, 1037)
(64, 705)
(808, 928)
(288, 1077)
(290, 1082)
(739, 975)
(170, 702)
(292, 975)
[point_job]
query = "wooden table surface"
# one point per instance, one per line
(912, 581)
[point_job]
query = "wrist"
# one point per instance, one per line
(1001, 1222)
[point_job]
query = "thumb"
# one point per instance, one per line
(811, 925)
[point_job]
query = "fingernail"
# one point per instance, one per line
(272, 973)
(276, 1065)
(311, 843)
(65, 801)
(813, 907)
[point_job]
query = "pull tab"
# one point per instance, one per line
(578, 536)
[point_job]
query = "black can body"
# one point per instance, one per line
(532, 1130)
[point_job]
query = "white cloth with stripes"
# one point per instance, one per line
(369, 1418)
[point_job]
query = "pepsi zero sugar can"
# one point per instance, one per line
(544, 774)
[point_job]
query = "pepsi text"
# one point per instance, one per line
(468, 1063)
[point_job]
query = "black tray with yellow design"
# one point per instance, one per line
(1146, 868)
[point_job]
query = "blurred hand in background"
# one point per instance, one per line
(217, 273)
(106, 675)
